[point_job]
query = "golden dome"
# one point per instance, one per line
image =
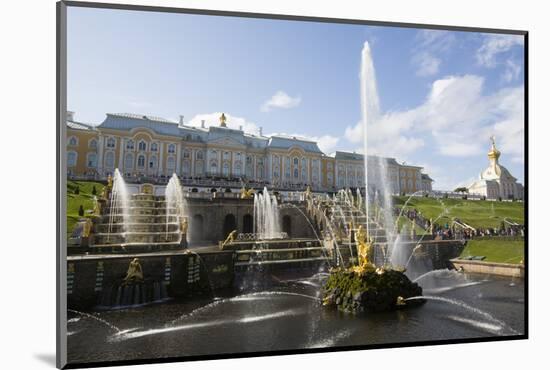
(222, 120)
(494, 153)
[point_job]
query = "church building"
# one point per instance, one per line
(496, 182)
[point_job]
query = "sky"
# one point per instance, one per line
(442, 94)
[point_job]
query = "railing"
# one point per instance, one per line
(256, 236)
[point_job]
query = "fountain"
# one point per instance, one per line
(267, 223)
(119, 202)
(365, 286)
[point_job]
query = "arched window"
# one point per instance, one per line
(199, 155)
(141, 161)
(91, 160)
(142, 145)
(304, 169)
(295, 161)
(92, 143)
(296, 172)
(130, 145)
(171, 148)
(154, 147)
(111, 143)
(213, 167)
(226, 169)
(185, 168)
(171, 163)
(73, 141)
(260, 172)
(129, 162)
(153, 162)
(71, 159)
(110, 160)
(186, 154)
(237, 170)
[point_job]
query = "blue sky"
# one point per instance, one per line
(442, 94)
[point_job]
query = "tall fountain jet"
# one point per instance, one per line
(119, 203)
(267, 224)
(370, 110)
(175, 202)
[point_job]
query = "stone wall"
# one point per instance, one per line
(211, 220)
(492, 268)
(183, 274)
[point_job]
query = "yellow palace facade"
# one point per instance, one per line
(153, 148)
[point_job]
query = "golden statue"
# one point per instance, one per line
(308, 192)
(135, 273)
(247, 193)
(364, 248)
(222, 120)
(184, 225)
(97, 207)
(87, 228)
(230, 238)
(110, 182)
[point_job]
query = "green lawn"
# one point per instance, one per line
(84, 198)
(477, 213)
(494, 250)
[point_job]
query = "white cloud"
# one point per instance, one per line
(494, 45)
(427, 64)
(456, 120)
(234, 122)
(431, 44)
(280, 100)
(511, 73)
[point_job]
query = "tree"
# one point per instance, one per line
(94, 191)
(461, 189)
(81, 210)
(77, 190)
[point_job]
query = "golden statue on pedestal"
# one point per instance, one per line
(230, 238)
(247, 193)
(307, 193)
(222, 120)
(87, 228)
(110, 182)
(364, 248)
(135, 273)
(184, 225)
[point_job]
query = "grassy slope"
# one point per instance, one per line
(495, 250)
(473, 212)
(84, 198)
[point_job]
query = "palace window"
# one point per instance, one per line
(71, 159)
(153, 162)
(237, 171)
(296, 172)
(73, 141)
(91, 160)
(130, 145)
(226, 169)
(186, 154)
(199, 155)
(92, 143)
(171, 163)
(111, 143)
(154, 147)
(110, 160)
(225, 155)
(141, 161)
(295, 161)
(142, 145)
(185, 168)
(129, 162)
(171, 148)
(214, 167)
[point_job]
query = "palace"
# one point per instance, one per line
(496, 181)
(152, 148)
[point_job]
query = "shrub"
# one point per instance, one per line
(94, 191)
(77, 190)
(81, 210)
